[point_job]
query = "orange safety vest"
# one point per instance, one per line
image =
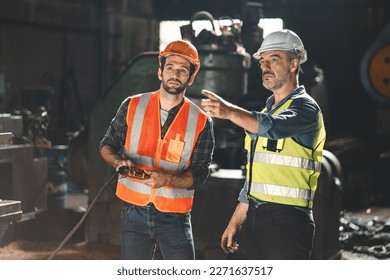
(145, 148)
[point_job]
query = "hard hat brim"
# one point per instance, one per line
(194, 62)
(302, 55)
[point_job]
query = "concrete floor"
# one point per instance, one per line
(365, 234)
(35, 242)
(40, 244)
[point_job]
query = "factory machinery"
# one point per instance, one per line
(228, 69)
(23, 174)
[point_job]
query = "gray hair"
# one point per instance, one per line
(294, 55)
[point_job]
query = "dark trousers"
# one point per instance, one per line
(278, 232)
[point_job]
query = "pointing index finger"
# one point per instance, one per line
(209, 94)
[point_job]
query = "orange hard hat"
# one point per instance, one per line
(185, 49)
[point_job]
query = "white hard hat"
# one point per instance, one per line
(283, 40)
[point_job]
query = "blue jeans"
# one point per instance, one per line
(143, 226)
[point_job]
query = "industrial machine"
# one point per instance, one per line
(33, 177)
(23, 174)
(375, 70)
(375, 76)
(371, 238)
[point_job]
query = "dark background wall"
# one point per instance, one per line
(77, 48)
(337, 34)
(70, 51)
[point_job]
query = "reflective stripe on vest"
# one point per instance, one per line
(156, 154)
(169, 192)
(288, 161)
(289, 173)
(274, 190)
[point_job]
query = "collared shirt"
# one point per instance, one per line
(203, 151)
(298, 121)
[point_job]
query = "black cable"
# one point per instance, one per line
(76, 227)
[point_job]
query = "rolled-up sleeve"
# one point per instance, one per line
(243, 196)
(298, 118)
(298, 121)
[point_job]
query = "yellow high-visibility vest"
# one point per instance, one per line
(288, 173)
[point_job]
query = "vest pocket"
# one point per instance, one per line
(273, 145)
(175, 149)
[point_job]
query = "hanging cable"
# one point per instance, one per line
(123, 171)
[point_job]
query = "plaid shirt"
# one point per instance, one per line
(203, 151)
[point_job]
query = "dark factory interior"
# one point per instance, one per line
(66, 66)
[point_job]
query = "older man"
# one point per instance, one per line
(284, 143)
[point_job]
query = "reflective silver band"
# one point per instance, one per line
(282, 191)
(190, 135)
(135, 186)
(175, 193)
(172, 166)
(163, 192)
(138, 117)
(284, 160)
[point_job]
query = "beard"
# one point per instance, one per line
(277, 84)
(174, 90)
